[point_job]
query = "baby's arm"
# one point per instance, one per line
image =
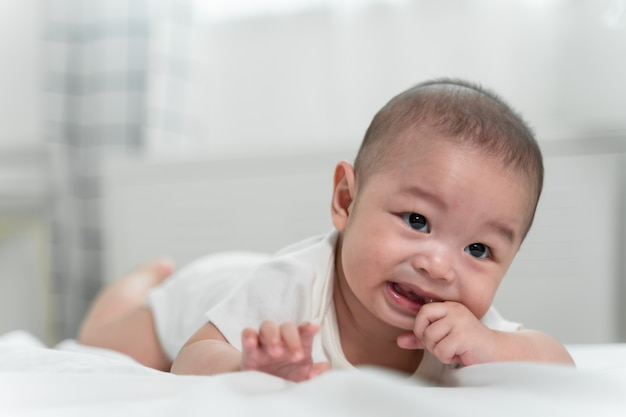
(284, 351)
(207, 353)
(454, 335)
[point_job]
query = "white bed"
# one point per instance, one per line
(74, 380)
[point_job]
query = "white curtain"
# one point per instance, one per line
(96, 82)
(309, 76)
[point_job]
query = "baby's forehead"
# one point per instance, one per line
(441, 150)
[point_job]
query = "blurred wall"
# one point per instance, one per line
(313, 80)
(24, 284)
(20, 73)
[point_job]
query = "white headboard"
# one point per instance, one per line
(187, 208)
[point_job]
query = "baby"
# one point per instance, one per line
(426, 223)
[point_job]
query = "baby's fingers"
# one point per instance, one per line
(270, 339)
(318, 369)
(409, 341)
(291, 339)
(428, 315)
(308, 331)
(249, 339)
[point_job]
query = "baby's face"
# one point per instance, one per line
(440, 224)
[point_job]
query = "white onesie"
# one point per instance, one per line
(239, 290)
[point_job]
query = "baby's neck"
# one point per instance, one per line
(368, 341)
(360, 350)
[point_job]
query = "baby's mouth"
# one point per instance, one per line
(414, 299)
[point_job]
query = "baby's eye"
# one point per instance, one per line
(478, 250)
(416, 221)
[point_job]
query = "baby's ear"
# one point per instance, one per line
(343, 194)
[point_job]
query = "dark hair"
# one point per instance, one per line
(458, 109)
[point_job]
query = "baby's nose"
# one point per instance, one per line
(436, 259)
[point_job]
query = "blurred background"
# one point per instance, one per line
(136, 128)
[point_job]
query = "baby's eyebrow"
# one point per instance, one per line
(503, 230)
(415, 191)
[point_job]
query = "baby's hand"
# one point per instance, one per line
(284, 351)
(451, 333)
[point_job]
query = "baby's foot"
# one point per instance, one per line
(127, 293)
(148, 275)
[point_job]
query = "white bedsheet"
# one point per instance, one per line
(74, 380)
